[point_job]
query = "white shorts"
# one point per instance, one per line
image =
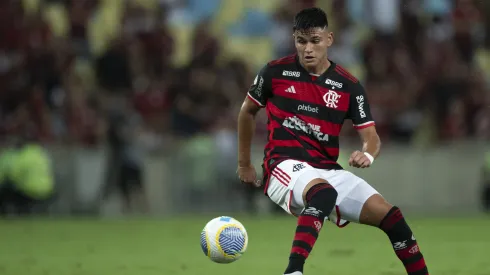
(289, 179)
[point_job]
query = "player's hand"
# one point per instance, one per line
(247, 175)
(359, 160)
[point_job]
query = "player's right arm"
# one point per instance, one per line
(256, 99)
(360, 114)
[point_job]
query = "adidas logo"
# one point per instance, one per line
(291, 90)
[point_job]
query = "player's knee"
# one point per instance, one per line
(322, 196)
(393, 220)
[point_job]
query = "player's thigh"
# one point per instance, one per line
(288, 182)
(353, 193)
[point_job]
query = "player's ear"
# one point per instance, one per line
(329, 39)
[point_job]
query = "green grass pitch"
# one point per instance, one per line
(172, 247)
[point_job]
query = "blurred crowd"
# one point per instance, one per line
(425, 65)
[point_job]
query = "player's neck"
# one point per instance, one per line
(320, 69)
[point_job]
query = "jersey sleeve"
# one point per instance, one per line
(359, 110)
(261, 89)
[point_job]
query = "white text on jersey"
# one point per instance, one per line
(308, 108)
(309, 128)
(258, 89)
(360, 102)
(291, 73)
(333, 83)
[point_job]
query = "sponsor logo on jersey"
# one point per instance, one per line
(312, 211)
(291, 90)
(309, 128)
(331, 99)
(400, 245)
(318, 225)
(258, 86)
(360, 105)
(308, 108)
(291, 73)
(414, 249)
(333, 83)
(298, 167)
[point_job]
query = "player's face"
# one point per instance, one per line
(312, 45)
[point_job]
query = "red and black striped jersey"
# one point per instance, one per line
(306, 113)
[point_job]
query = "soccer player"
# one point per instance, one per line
(307, 97)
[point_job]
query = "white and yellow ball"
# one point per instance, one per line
(224, 240)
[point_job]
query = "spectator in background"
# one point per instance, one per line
(281, 31)
(198, 95)
(113, 70)
(83, 116)
(128, 144)
(26, 175)
(205, 46)
(346, 33)
(195, 105)
(467, 28)
(80, 12)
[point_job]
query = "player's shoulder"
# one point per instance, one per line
(283, 61)
(342, 77)
(284, 66)
(343, 74)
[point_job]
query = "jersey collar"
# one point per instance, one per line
(320, 77)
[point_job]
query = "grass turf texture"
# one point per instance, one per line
(146, 247)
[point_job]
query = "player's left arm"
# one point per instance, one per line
(360, 114)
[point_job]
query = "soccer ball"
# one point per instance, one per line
(224, 240)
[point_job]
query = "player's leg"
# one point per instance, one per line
(304, 193)
(378, 212)
(318, 198)
(360, 202)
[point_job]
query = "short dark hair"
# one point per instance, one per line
(310, 18)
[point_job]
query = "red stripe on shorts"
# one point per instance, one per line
(280, 178)
(283, 173)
